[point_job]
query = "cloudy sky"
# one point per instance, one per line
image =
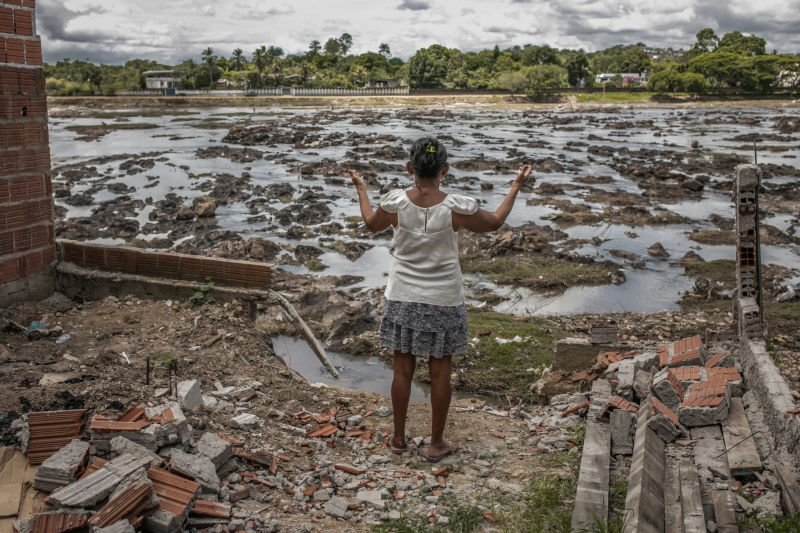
(173, 30)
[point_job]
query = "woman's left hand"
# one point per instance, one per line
(358, 181)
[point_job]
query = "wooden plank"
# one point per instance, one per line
(694, 520)
(743, 458)
(12, 477)
(724, 513)
(591, 498)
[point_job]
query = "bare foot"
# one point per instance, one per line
(397, 444)
(436, 453)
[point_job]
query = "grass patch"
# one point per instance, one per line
(112, 127)
(491, 366)
(315, 265)
(546, 506)
(463, 519)
(538, 272)
(771, 524)
(615, 97)
(723, 270)
(150, 113)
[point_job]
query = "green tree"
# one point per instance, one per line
(384, 50)
(333, 47)
(515, 81)
(577, 66)
(260, 61)
(429, 67)
(694, 83)
(238, 59)
(545, 77)
(314, 47)
(345, 43)
(706, 41)
(749, 45)
(210, 60)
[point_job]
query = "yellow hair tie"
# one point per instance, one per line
(431, 149)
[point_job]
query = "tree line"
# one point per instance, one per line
(711, 63)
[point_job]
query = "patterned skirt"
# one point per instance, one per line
(424, 329)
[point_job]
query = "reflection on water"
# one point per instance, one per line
(360, 372)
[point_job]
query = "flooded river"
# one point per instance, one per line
(117, 189)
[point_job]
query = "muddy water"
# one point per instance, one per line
(366, 373)
(485, 134)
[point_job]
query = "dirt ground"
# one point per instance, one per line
(500, 457)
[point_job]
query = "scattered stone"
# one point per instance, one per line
(622, 422)
(668, 389)
(204, 206)
(245, 421)
(372, 498)
(336, 507)
(120, 445)
(217, 449)
(184, 213)
(121, 526)
(89, 490)
(657, 250)
(198, 466)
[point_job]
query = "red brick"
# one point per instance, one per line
(33, 264)
(48, 255)
(714, 361)
(726, 373)
(18, 190)
(4, 183)
(12, 2)
(686, 373)
(6, 20)
(663, 357)
(28, 3)
(8, 271)
(675, 382)
(15, 51)
(33, 53)
(23, 22)
(8, 163)
(40, 236)
(659, 407)
(37, 160)
(6, 243)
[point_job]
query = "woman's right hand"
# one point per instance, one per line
(523, 176)
(358, 181)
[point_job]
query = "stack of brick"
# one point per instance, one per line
(748, 290)
(27, 238)
(151, 427)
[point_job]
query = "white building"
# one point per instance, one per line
(163, 79)
(628, 78)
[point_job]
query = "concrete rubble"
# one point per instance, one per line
(63, 467)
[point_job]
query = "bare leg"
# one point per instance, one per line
(404, 365)
(440, 404)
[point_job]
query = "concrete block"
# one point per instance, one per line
(622, 432)
(89, 490)
(704, 411)
(161, 521)
(122, 526)
(336, 507)
(173, 431)
(244, 394)
(62, 467)
(245, 421)
(591, 497)
(663, 427)
(371, 498)
(668, 389)
(190, 395)
(574, 354)
(694, 520)
(646, 361)
(625, 375)
(215, 448)
(198, 466)
(645, 500)
(121, 445)
(641, 383)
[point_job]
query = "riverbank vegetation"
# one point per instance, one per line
(711, 65)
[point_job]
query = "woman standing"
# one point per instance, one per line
(425, 314)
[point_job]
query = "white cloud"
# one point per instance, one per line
(180, 29)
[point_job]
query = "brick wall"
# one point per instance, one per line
(165, 265)
(27, 245)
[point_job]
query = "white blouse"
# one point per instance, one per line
(425, 268)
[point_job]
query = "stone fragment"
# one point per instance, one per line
(336, 507)
(575, 354)
(204, 206)
(663, 420)
(215, 448)
(121, 526)
(62, 467)
(622, 432)
(245, 421)
(244, 394)
(371, 498)
(89, 490)
(703, 411)
(668, 389)
(657, 250)
(641, 383)
(198, 466)
(184, 213)
(189, 394)
(121, 445)
(625, 377)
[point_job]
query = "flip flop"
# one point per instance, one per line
(397, 450)
(436, 458)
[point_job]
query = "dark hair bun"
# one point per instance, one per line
(428, 157)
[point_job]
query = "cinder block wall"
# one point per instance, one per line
(27, 240)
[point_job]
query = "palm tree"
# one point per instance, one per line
(238, 59)
(210, 60)
(384, 50)
(314, 47)
(260, 60)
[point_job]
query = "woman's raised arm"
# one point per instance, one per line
(483, 221)
(377, 220)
